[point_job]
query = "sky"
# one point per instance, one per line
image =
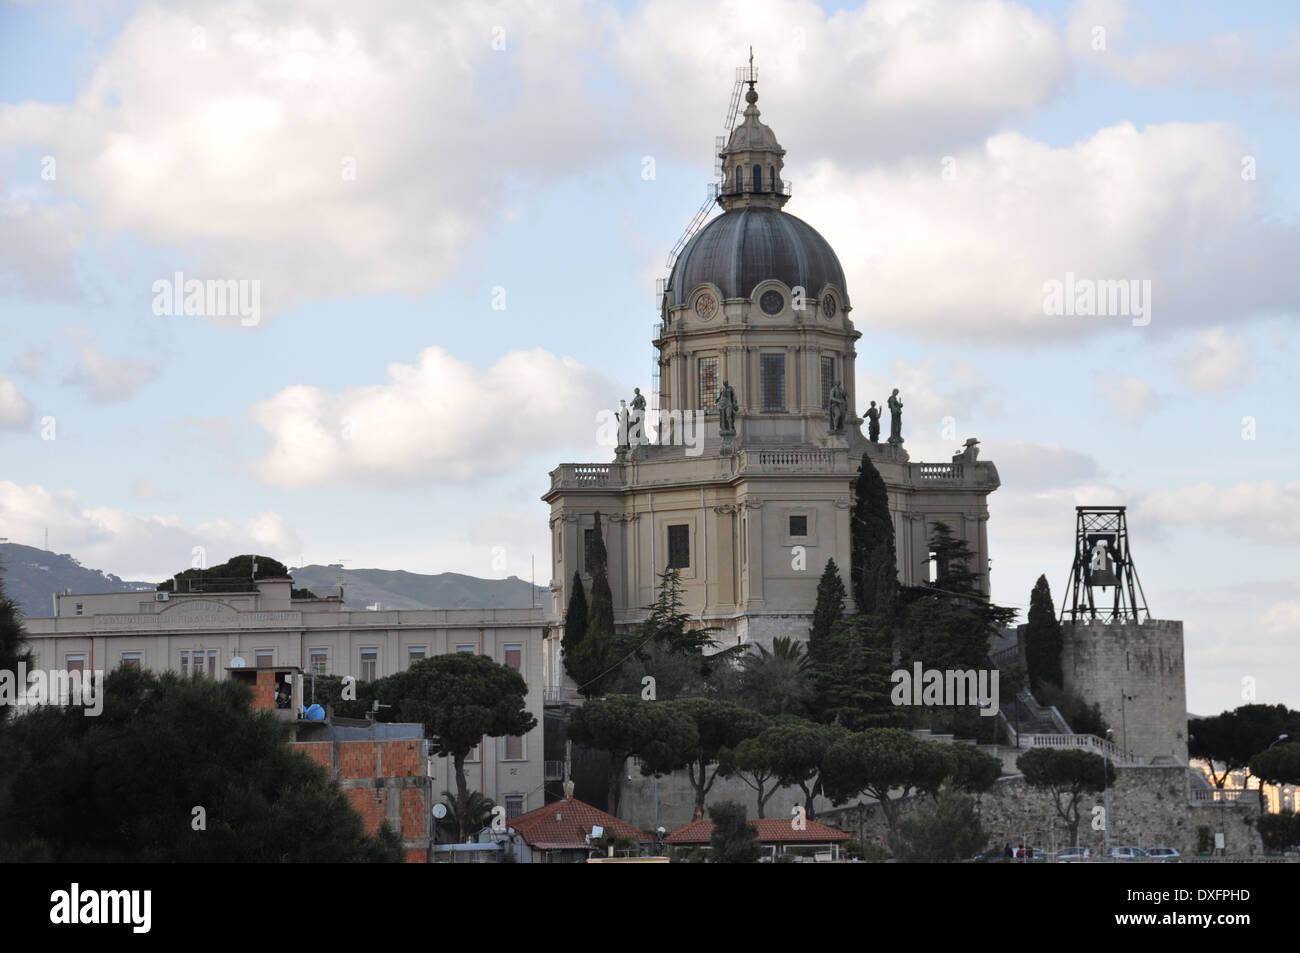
(447, 221)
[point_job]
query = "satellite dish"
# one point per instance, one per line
(237, 662)
(440, 810)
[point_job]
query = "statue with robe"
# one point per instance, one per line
(895, 418)
(873, 423)
(839, 404)
(727, 406)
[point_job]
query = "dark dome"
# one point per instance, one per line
(744, 246)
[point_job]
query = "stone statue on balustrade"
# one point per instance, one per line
(873, 423)
(895, 418)
(839, 404)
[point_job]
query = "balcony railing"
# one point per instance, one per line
(585, 475)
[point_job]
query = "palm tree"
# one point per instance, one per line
(777, 682)
(478, 815)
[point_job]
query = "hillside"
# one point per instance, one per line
(397, 589)
(32, 576)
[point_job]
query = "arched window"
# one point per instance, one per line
(740, 178)
(758, 177)
(771, 178)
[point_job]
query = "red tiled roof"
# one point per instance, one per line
(563, 825)
(771, 830)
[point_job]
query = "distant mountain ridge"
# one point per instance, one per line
(31, 576)
(398, 589)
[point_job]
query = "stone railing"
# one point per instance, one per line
(1219, 795)
(932, 472)
(1087, 742)
(776, 461)
(585, 475)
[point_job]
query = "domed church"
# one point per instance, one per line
(739, 471)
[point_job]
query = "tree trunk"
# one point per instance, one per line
(761, 800)
(462, 794)
(615, 769)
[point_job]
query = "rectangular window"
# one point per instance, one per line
(212, 662)
(416, 652)
(772, 382)
(473, 755)
(265, 658)
(828, 381)
(78, 608)
(514, 806)
(679, 546)
(587, 536)
(132, 660)
(319, 661)
(369, 664)
(708, 381)
(798, 526)
(514, 654)
(514, 748)
(185, 663)
(76, 663)
(464, 648)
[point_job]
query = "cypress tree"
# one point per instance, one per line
(1042, 639)
(828, 611)
(874, 565)
(598, 647)
(575, 619)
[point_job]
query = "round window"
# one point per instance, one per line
(771, 302)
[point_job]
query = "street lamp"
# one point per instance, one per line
(1105, 780)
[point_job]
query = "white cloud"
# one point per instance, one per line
(221, 132)
(1267, 511)
(1033, 466)
(132, 546)
(970, 256)
(15, 410)
(938, 397)
(1216, 360)
(886, 78)
(439, 419)
(226, 132)
(109, 379)
(1131, 396)
(1282, 618)
(30, 362)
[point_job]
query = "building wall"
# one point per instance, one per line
(240, 624)
(1135, 673)
(1149, 807)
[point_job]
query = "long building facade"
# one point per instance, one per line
(205, 634)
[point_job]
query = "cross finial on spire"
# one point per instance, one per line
(751, 66)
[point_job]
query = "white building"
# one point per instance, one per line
(265, 627)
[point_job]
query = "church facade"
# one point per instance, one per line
(756, 348)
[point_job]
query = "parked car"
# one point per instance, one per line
(1128, 853)
(1075, 855)
(1029, 854)
(1165, 855)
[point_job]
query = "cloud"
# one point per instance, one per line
(15, 410)
(40, 237)
(439, 419)
(1265, 511)
(930, 409)
(891, 77)
(324, 155)
(1033, 466)
(1131, 396)
(109, 379)
(1216, 360)
(1282, 618)
(130, 545)
(143, 488)
(29, 363)
(969, 256)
